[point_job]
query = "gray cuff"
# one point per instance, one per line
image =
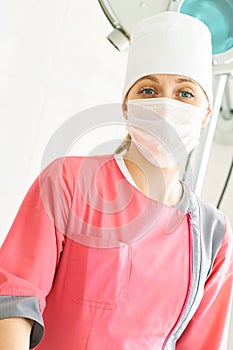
(26, 307)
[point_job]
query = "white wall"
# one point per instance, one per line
(54, 62)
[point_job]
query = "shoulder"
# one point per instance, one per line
(70, 165)
(213, 228)
(71, 172)
(205, 212)
(210, 214)
(209, 220)
(213, 225)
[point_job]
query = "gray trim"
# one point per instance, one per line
(26, 307)
(184, 204)
(213, 226)
(208, 226)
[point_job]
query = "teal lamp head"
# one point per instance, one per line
(218, 16)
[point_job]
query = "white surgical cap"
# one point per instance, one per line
(171, 43)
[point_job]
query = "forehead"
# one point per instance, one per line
(171, 78)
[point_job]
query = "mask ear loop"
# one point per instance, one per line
(206, 121)
(187, 166)
(126, 143)
(125, 110)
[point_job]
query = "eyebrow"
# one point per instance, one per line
(150, 77)
(184, 80)
(179, 80)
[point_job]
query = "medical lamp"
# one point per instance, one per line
(124, 14)
(218, 16)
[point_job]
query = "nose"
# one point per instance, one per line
(167, 92)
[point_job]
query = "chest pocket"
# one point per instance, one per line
(96, 276)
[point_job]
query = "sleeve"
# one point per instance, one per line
(209, 326)
(26, 307)
(31, 251)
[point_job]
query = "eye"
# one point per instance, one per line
(147, 91)
(186, 94)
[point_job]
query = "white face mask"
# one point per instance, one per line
(164, 130)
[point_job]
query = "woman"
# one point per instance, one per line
(115, 251)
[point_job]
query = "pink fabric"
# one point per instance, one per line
(207, 328)
(124, 276)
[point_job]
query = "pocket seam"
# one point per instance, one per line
(123, 292)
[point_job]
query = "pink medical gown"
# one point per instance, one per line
(108, 268)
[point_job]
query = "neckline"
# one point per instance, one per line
(183, 204)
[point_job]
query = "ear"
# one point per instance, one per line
(125, 109)
(206, 118)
